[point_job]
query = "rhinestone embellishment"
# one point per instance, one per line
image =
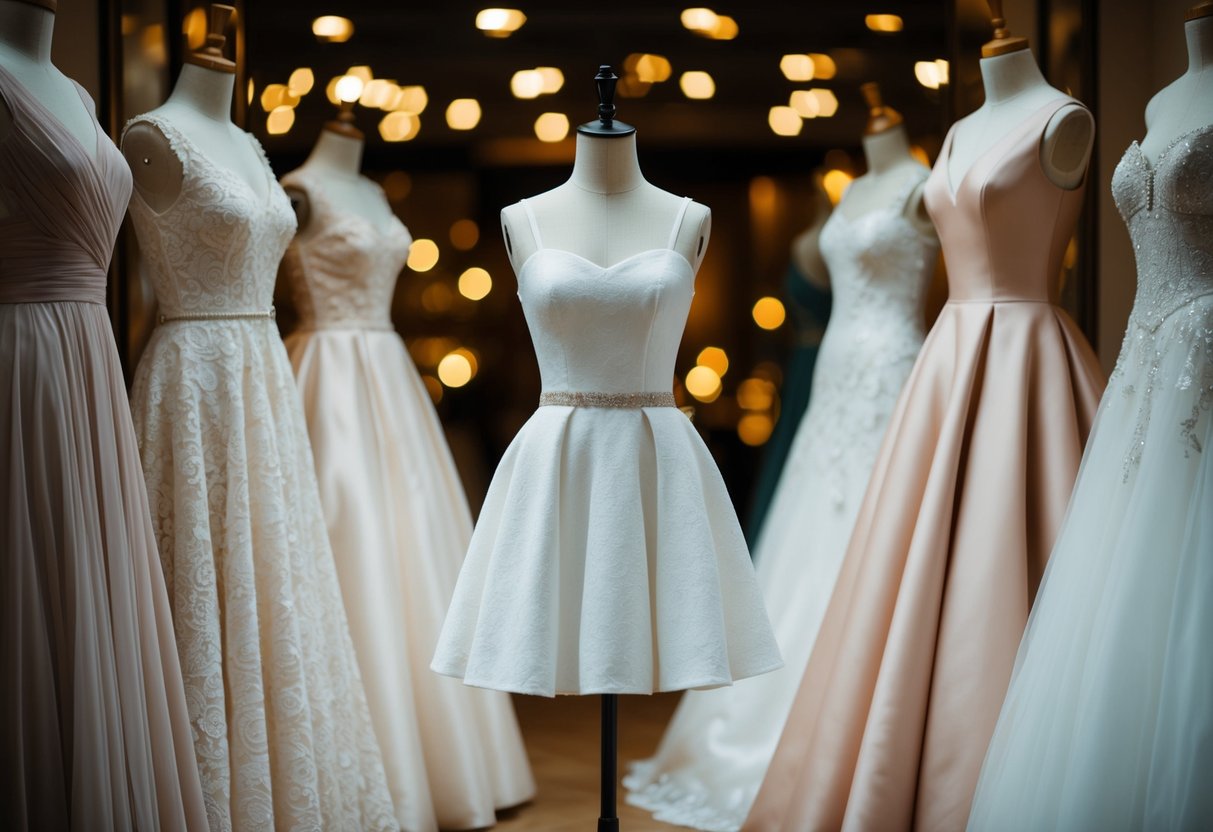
(562, 398)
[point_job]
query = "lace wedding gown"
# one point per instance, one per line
(397, 518)
(94, 731)
(1108, 723)
(911, 664)
(281, 728)
(607, 557)
(712, 758)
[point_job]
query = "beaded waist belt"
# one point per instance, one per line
(269, 314)
(618, 400)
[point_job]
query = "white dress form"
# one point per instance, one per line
(1186, 104)
(336, 161)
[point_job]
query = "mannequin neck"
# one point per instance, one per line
(1199, 35)
(205, 91)
(27, 29)
(335, 154)
(1007, 76)
(886, 149)
(606, 166)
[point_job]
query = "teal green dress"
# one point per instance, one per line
(809, 306)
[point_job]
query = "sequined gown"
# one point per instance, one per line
(1108, 723)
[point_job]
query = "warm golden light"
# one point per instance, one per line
(824, 67)
(553, 79)
(526, 83)
(251, 90)
(699, 20)
(835, 182)
(784, 121)
(653, 69)
(280, 121)
(883, 22)
(301, 81)
(697, 84)
(552, 127)
(194, 27)
(363, 72)
(272, 96)
(756, 394)
(931, 74)
(432, 386)
(152, 42)
(703, 383)
(499, 23)
(397, 185)
(399, 126)
(804, 103)
(423, 255)
(454, 370)
(330, 90)
(412, 100)
(714, 358)
(463, 114)
(797, 67)
(348, 88)
(437, 298)
(755, 429)
(378, 94)
(332, 28)
(475, 283)
(725, 29)
(827, 102)
(465, 234)
(769, 313)
(920, 153)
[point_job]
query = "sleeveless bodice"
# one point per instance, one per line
(344, 274)
(216, 249)
(613, 329)
(1168, 208)
(1004, 226)
(65, 204)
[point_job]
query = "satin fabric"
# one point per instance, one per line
(398, 521)
(905, 682)
(94, 731)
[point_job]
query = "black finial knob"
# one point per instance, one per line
(605, 81)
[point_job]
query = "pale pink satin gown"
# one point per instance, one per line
(904, 686)
(94, 732)
(398, 521)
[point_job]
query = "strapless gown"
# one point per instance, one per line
(1108, 723)
(607, 557)
(94, 731)
(281, 728)
(713, 756)
(398, 521)
(903, 688)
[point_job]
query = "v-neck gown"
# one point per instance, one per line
(397, 518)
(607, 557)
(281, 726)
(904, 685)
(94, 731)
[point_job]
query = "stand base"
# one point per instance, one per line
(608, 825)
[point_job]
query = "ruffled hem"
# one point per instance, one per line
(607, 559)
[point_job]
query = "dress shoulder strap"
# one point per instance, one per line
(530, 216)
(176, 139)
(682, 212)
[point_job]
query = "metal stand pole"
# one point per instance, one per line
(608, 821)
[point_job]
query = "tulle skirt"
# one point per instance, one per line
(94, 731)
(1108, 723)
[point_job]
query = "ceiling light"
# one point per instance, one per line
(883, 22)
(797, 67)
(399, 126)
(280, 121)
(475, 283)
(423, 255)
(827, 102)
(349, 88)
(526, 83)
(553, 79)
(499, 23)
(784, 121)
(699, 19)
(823, 66)
(463, 114)
(697, 85)
(332, 28)
(552, 127)
(769, 313)
(301, 81)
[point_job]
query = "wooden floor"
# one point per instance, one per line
(562, 740)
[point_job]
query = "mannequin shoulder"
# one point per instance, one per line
(520, 242)
(693, 235)
(157, 169)
(1065, 147)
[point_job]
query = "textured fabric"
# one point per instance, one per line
(809, 307)
(398, 521)
(607, 557)
(1108, 722)
(712, 758)
(281, 727)
(94, 731)
(903, 688)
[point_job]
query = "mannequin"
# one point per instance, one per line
(886, 148)
(806, 255)
(1186, 104)
(606, 211)
(201, 106)
(1015, 89)
(26, 30)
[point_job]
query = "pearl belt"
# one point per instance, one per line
(562, 398)
(270, 314)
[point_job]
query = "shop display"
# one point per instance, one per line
(395, 509)
(1108, 721)
(904, 685)
(282, 732)
(93, 720)
(881, 256)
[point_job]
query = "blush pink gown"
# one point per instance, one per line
(904, 686)
(94, 731)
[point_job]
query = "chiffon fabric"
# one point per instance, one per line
(281, 727)
(903, 688)
(713, 756)
(809, 309)
(94, 731)
(1108, 722)
(607, 557)
(397, 518)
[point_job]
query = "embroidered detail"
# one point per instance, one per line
(561, 398)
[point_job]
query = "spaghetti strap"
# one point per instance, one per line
(530, 215)
(682, 211)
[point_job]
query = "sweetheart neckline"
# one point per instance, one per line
(611, 267)
(1162, 157)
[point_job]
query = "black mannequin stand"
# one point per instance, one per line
(608, 820)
